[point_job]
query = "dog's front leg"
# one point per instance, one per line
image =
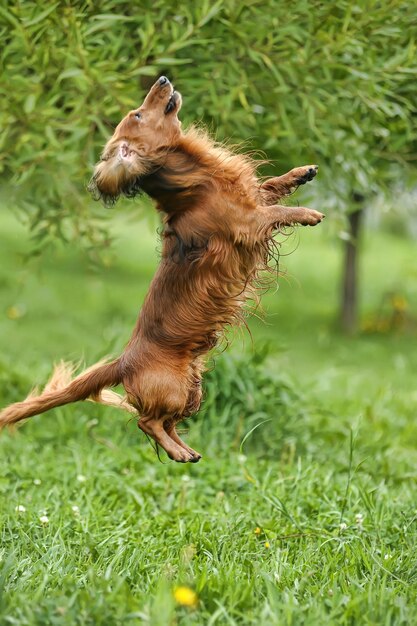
(276, 216)
(274, 188)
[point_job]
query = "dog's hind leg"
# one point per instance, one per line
(193, 404)
(154, 427)
(170, 429)
(162, 395)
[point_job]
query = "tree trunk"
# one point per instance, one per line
(349, 305)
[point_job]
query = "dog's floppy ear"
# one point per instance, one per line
(118, 172)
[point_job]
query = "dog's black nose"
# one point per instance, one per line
(163, 80)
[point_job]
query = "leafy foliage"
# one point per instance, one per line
(321, 82)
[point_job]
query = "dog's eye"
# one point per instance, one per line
(138, 115)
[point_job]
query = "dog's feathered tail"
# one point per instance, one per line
(62, 390)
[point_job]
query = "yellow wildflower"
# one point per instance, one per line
(185, 596)
(14, 313)
(257, 531)
(267, 544)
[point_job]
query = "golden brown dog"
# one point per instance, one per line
(219, 220)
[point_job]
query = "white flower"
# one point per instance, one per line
(241, 458)
(20, 508)
(81, 478)
(387, 557)
(185, 478)
(359, 519)
(75, 509)
(343, 526)
(44, 519)
(37, 481)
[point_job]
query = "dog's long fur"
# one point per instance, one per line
(218, 224)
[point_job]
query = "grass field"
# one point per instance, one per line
(303, 509)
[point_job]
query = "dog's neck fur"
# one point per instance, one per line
(185, 171)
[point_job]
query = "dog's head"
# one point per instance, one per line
(138, 145)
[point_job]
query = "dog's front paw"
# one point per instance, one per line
(304, 174)
(312, 218)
